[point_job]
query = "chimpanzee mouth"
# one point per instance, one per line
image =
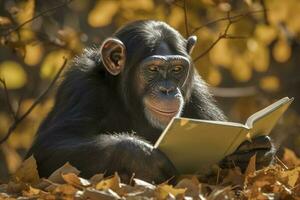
(168, 113)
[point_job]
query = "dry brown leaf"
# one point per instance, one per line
(164, 190)
(4, 21)
(192, 185)
(251, 168)
(96, 178)
(290, 158)
(56, 176)
(93, 194)
(27, 172)
(74, 180)
(64, 191)
(113, 183)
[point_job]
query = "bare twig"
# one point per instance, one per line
(263, 4)
(8, 101)
(35, 103)
(37, 16)
(223, 35)
(186, 19)
(232, 18)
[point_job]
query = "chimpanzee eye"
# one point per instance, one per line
(177, 68)
(153, 68)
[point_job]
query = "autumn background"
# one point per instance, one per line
(248, 51)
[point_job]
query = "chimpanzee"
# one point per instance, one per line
(115, 101)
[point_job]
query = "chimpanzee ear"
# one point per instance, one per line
(113, 55)
(191, 42)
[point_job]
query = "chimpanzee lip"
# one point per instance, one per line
(162, 112)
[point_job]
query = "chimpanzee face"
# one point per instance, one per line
(159, 78)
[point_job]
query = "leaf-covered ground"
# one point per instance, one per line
(280, 181)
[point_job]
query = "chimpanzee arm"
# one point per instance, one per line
(123, 153)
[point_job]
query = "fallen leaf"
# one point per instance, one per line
(74, 180)
(56, 176)
(93, 194)
(28, 172)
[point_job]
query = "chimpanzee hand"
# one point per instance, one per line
(261, 146)
(130, 156)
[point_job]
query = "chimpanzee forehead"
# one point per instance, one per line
(163, 49)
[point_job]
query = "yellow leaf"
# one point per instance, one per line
(251, 168)
(292, 176)
(25, 12)
(220, 55)
(176, 17)
(52, 63)
(27, 172)
(112, 183)
(265, 33)
(281, 51)
(103, 13)
(34, 53)
(74, 180)
(12, 158)
(4, 21)
(258, 54)
(214, 77)
(13, 74)
(241, 70)
(270, 83)
(146, 5)
(164, 190)
(56, 176)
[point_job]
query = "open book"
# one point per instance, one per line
(195, 145)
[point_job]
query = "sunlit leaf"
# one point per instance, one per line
(12, 158)
(56, 176)
(214, 77)
(241, 70)
(110, 183)
(4, 21)
(220, 55)
(265, 33)
(34, 53)
(28, 171)
(103, 13)
(26, 11)
(176, 17)
(259, 55)
(269, 83)
(281, 51)
(146, 5)
(164, 190)
(13, 74)
(70, 38)
(52, 63)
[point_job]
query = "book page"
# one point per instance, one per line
(194, 145)
(262, 122)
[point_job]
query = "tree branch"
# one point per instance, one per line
(37, 16)
(232, 18)
(7, 99)
(223, 35)
(186, 19)
(35, 103)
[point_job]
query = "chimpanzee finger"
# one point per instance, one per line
(263, 158)
(258, 143)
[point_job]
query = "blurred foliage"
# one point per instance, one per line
(259, 64)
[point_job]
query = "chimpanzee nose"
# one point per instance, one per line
(166, 90)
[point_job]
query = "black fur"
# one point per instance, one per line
(96, 123)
